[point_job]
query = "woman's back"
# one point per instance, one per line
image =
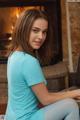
(22, 100)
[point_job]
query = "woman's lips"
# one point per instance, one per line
(37, 43)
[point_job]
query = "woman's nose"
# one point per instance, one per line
(41, 35)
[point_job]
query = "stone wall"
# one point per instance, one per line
(74, 12)
(74, 9)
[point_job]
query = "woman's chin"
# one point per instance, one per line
(37, 47)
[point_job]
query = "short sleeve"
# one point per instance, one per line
(32, 71)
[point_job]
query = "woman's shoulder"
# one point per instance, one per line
(21, 57)
(22, 54)
(25, 57)
(29, 60)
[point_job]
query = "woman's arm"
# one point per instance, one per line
(45, 97)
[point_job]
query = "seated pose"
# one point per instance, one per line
(27, 86)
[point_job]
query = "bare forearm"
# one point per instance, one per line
(45, 97)
(53, 97)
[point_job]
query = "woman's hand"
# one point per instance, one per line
(77, 98)
(75, 93)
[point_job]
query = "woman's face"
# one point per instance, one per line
(38, 33)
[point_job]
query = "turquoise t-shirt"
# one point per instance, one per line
(23, 71)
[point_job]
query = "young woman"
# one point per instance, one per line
(26, 81)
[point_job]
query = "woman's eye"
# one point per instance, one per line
(45, 32)
(34, 30)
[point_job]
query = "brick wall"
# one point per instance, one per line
(3, 88)
(3, 73)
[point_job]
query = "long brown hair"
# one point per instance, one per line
(20, 36)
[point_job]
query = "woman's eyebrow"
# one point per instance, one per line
(35, 28)
(46, 29)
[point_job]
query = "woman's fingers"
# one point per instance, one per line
(77, 98)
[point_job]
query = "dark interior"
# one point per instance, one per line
(52, 8)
